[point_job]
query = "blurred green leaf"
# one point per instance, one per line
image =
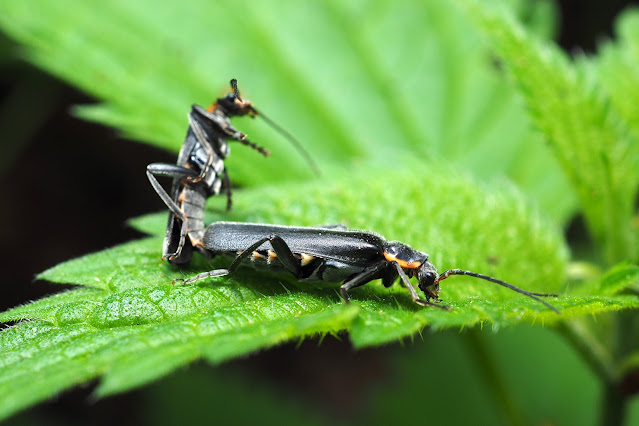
(585, 109)
(615, 68)
(615, 280)
(587, 133)
(412, 77)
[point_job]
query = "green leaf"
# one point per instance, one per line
(587, 133)
(136, 321)
(175, 344)
(381, 108)
(129, 265)
(615, 280)
(47, 308)
(612, 66)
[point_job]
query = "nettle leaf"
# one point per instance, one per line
(589, 135)
(49, 307)
(413, 77)
(612, 66)
(585, 110)
(624, 276)
(131, 325)
(411, 87)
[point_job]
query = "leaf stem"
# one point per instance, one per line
(596, 355)
(613, 408)
(601, 361)
(493, 376)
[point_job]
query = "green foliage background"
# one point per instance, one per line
(458, 130)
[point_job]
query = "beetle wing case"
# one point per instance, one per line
(351, 247)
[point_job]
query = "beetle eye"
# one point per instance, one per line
(427, 279)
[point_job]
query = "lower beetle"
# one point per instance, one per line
(333, 254)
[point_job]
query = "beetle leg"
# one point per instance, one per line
(176, 172)
(406, 282)
(285, 255)
(362, 278)
(242, 139)
(226, 183)
(184, 229)
(281, 249)
(214, 273)
(168, 170)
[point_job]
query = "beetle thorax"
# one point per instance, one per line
(406, 256)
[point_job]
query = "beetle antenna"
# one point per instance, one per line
(280, 130)
(530, 294)
(292, 140)
(235, 89)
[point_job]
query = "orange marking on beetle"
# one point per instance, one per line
(402, 263)
(212, 107)
(306, 259)
(255, 255)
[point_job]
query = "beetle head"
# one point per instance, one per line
(428, 280)
(233, 105)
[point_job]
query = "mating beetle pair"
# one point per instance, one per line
(200, 171)
(321, 254)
